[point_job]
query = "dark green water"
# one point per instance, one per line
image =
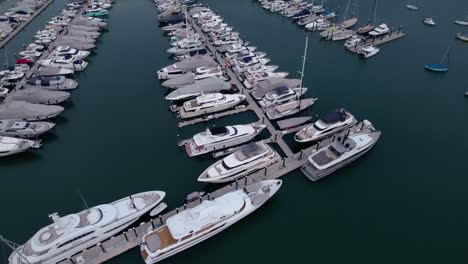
(404, 202)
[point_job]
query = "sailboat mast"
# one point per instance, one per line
(346, 11)
(374, 13)
(304, 60)
(12, 246)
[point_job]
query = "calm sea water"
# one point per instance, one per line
(404, 202)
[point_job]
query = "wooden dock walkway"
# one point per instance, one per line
(24, 24)
(378, 40)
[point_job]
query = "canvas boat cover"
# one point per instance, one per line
(196, 61)
(179, 81)
(269, 84)
(38, 95)
(22, 8)
(209, 85)
(28, 111)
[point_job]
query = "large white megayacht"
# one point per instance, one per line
(210, 103)
(340, 152)
(196, 224)
(328, 124)
(73, 233)
(249, 158)
(221, 137)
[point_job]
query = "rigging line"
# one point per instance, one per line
(83, 199)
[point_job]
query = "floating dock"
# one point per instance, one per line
(378, 40)
(24, 24)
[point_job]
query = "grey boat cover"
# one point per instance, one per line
(51, 71)
(22, 8)
(197, 9)
(179, 81)
(209, 85)
(27, 111)
(262, 88)
(89, 23)
(68, 84)
(84, 28)
(81, 33)
(39, 96)
(77, 39)
(75, 44)
(196, 61)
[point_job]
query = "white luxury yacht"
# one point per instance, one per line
(249, 158)
(289, 108)
(209, 103)
(380, 30)
(281, 95)
(339, 153)
(73, 233)
(203, 221)
(221, 137)
(61, 51)
(65, 62)
(328, 124)
(368, 51)
(10, 146)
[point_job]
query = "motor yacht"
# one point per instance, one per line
(289, 108)
(62, 51)
(208, 85)
(210, 103)
(281, 95)
(65, 62)
(205, 220)
(329, 124)
(353, 42)
(30, 53)
(342, 151)
(11, 75)
(380, 30)
(248, 159)
(24, 129)
(218, 138)
(73, 233)
(368, 51)
(256, 77)
(319, 24)
(10, 146)
(52, 82)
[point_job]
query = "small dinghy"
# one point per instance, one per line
(463, 37)
(463, 22)
(429, 21)
(293, 122)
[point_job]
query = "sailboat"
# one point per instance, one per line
(462, 22)
(412, 6)
(371, 24)
(347, 23)
(442, 67)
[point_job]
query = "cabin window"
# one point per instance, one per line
(74, 239)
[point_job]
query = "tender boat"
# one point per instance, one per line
(462, 22)
(463, 37)
(380, 30)
(210, 103)
(281, 95)
(339, 153)
(436, 67)
(73, 233)
(293, 122)
(412, 7)
(368, 51)
(289, 108)
(205, 220)
(329, 124)
(248, 159)
(222, 137)
(24, 129)
(429, 21)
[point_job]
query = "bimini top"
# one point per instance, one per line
(281, 90)
(249, 150)
(334, 117)
(207, 213)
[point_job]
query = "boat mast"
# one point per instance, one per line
(304, 60)
(13, 247)
(346, 11)
(445, 56)
(374, 13)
